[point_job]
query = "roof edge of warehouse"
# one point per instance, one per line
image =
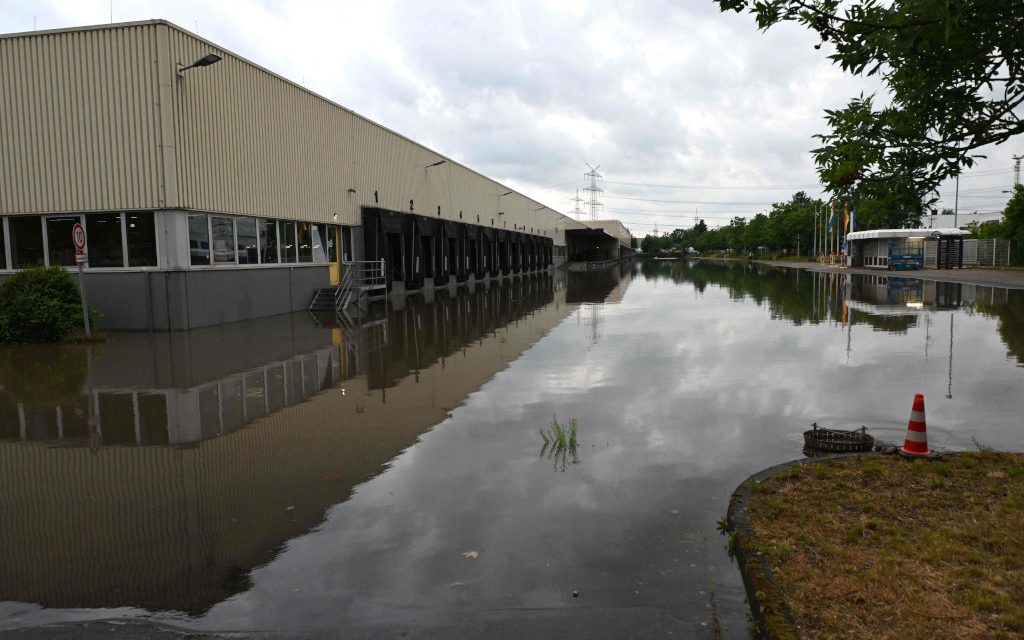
(220, 48)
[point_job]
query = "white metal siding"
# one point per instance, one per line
(97, 119)
(78, 121)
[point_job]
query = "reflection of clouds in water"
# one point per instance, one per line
(695, 393)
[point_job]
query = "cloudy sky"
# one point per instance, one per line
(687, 111)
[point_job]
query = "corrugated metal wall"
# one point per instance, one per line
(251, 142)
(82, 126)
(78, 120)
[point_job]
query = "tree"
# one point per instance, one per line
(1013, 217)
(952, 69)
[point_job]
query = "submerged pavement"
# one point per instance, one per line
(390, 479)
(1007, 278)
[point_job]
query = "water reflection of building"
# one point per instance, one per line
(271, 444)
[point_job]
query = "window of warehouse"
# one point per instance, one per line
(60, 244)
(222, 230)
(268, 241)
(286, 230)
(26, 242)
(305, 241)
(199, 239)
(246, 235)
(103, 232)
(140, 233)
(46, 240)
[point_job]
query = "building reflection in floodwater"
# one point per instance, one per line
(156, 471)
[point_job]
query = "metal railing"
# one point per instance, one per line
(358, 278)
(368, 274)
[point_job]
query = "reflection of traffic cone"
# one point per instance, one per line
(916, 443)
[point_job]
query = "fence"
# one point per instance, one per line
(977, 253)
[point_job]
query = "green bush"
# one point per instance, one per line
(39, 305)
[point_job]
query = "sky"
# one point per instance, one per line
(685, 110)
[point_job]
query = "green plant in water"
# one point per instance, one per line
(560, 443)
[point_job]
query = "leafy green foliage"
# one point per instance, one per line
(787, 227)
(952, 69)
(39, 305)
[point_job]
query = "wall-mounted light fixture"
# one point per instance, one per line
(435, 164)
(351, 190)
(205, 61)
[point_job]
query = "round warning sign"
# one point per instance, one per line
(78, 237)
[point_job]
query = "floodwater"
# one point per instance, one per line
(291, 476)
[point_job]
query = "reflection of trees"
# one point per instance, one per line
(43, 375)
(1009, 310)
(800, 296)
(791, 294)
(788, 293)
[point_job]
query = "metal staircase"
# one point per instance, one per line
(358, 279)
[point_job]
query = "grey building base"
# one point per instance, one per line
(180, 300)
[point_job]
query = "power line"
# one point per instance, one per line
(717, 188)
(700, 202)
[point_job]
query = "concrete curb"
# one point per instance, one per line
(769, 609)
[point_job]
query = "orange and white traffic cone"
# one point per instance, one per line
(916, 443)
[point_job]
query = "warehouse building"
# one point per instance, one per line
(213, 190)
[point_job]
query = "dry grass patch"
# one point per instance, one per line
(881, 547)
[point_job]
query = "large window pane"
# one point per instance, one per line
(288, 249)
(223, 233)
(199, 239)
(26, 241)
(319, 243)
(268, 241)
(246, 233)
(103, 233)
(61, 245)
(141, 231)
(305, 242)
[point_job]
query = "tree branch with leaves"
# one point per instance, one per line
(953, 74)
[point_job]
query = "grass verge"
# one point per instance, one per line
(881, 547)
